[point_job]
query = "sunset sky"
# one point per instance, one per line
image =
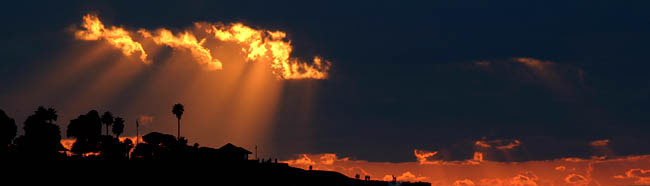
(448, 92)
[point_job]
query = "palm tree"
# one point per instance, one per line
(42, 137)
(118, 126)
(107, 119)
(178, 111)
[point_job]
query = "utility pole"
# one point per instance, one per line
(137, 135)
(256, 152)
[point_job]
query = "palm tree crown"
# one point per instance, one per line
(178, 111)
(108, 120)
(48, 114)
(118, 126)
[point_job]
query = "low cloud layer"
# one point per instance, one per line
(557, 172)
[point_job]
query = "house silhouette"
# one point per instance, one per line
(227, 153)
(232, 152)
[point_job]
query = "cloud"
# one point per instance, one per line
(563, 79)
(330, 162)
(599, 143)
(491, 182)
(539, 65)
(526, 178)
(498, 144)
(257, 45)
(185, 40)
(641, 176)
(423, 156)
(464, 182)
(406, 176)
(576, 179)
(329, 159)
(260, 44)
(67, 143)
(478, 157)
(117, 37)
(145, 119)
(302, 161)
(564, 171)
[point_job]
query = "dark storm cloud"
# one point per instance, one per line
(412, 75)
(554, 109)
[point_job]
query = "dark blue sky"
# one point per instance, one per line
(405, 73)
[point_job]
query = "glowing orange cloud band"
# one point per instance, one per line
(630, 170)
(258, 45)
(188, 41)
(117, 37)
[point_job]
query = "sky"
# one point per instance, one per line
(516, 81)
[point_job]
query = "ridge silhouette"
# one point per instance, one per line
(41, 140)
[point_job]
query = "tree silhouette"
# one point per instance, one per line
(157, 146)
(42, 136)
(128, 145)
(48, 114)
(118, 126)
(86, 129)
(108, 120)
(112, 149)
(9, 129)
(178, 111)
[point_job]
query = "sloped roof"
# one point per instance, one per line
(232, 148)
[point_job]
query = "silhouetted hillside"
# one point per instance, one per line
(159, 158)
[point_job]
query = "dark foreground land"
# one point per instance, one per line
(190, 173)
(153, 159)
(281, 174)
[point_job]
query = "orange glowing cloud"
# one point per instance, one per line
(328, 159)
(406, 176)
(145, 119)
(302, 161)
(115, 36)
(599, 143)
(257, 45)
(641, 176)
(498, 144)
(534, 63)
(576, 179)
(464, 182)
(123, 138)
(559, 172)
(478, 157)
(185, 40)
(482, 144)
(329, 162)
(422, 156)
(525, 178)
(511, 145)
(67, 143)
